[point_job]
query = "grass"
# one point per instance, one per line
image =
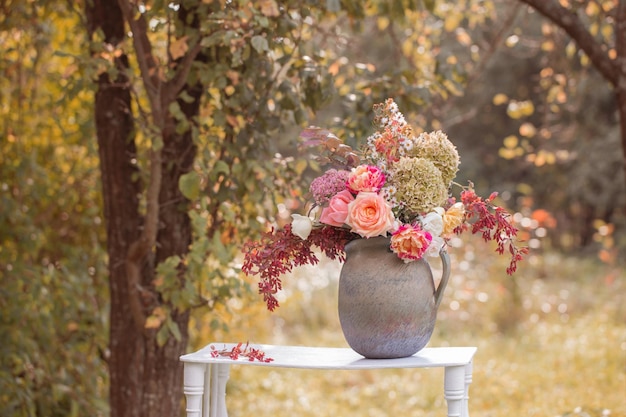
(551, 342)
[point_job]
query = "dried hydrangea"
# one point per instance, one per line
(436, 147)
(419, 185)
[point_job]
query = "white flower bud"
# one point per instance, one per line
(301, 226)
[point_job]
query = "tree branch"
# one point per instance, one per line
(145, 58)
(140, 248)
(574, 27)
(176, 83)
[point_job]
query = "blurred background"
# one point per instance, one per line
(534, 114)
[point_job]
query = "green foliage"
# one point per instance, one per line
(52, 288)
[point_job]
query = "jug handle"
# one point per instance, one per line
(445, 261)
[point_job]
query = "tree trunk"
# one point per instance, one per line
(145, 379)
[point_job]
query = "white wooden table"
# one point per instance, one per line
(206, 376)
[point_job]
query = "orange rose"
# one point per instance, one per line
(410, 242)
(370, 215)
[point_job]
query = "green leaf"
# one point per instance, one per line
(189, 185)
(219, 250)
(220, 167)
(173, 328)
(162, 335)
(259, 43)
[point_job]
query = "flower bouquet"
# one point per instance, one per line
(397, 186)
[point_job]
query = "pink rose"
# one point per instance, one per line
(370, 215)
(337, 211)
(410, 242)
(366, 178)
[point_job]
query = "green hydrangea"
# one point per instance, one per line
(419, 185)
(436, 147)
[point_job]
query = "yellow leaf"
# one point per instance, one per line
(158, 281)
(584, 60)
(607, 32)
(179, 47)
(527, 130)
(499, 99)
(510, 142)
(511, 41)
(547, 46)
(592, 9)
(453, 20)
(463, 37)
(382, 23)
(152, 322)
(269, 8)
(506, 153)
(156, 318)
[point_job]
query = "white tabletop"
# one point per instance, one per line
(335, 358)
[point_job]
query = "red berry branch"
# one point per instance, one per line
(238, 351)
(279, 251)
(493, 223)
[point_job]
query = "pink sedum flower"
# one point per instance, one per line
(366, 178)
(337, 211)
(327, 185)
(370, 215)
(410, 242)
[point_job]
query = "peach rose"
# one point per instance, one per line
(410, 242)
(366, 178)
(337, 211)
(370, 215)
(453, 218)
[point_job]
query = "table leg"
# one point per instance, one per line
(454, 390)
(468, 381)
(219, 376)
(194, 387)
